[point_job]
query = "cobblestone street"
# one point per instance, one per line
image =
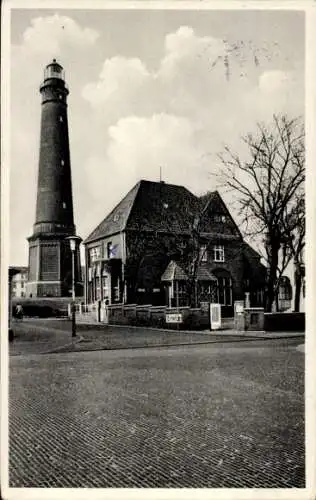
(219, 415)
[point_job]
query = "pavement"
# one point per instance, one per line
(38, 336)
(223, 414)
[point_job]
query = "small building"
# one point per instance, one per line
(19, 281)
(163, 245)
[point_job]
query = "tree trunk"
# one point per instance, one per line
(277, 301)
(272, 276)
(298, 287)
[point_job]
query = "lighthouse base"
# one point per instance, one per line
(50, 267)
(45, 289)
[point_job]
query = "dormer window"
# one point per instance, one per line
(219, 218)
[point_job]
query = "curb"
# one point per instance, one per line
(75, 341)
(155, 346)
(228, 332)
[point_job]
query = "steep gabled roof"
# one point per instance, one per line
(251, 253)
(116, 220)
(253, 268)
(173, 272)
(169, 208)
(216, 205)
(162, 207)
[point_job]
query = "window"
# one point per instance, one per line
(116, 291)
(224, 291)
(64, 205)
(109, 250)
(203, 253)
(219, 218)
(61, 119)
(112, 250)
(95, 254)
(105, 288)
(219, 255)
(62, 163)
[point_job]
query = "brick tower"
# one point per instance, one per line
(50, 259)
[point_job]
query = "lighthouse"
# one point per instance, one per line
(50, 257)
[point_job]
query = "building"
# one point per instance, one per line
(19, 282)
(145, 250)
(50, 258)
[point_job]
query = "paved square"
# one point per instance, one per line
(220, 415)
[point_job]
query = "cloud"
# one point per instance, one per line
(113, 83)
(274, 81)
(202, 94)
(196, 75)
(139, 146)
(50, 35)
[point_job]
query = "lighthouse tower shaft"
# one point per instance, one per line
(50, 259)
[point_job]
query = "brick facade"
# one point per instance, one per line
(50, 264)
(157, 226)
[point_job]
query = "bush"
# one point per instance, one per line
(42, 308)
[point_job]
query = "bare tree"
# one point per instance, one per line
(294, 240)
(268, 185)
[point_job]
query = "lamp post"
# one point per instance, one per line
(74, 244)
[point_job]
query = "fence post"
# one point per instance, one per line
(99, 311)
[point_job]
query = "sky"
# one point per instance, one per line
(148, 90)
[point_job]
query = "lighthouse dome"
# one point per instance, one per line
(54, 70)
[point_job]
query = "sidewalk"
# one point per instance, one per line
(38, 336)
(112, 337)
(228, 332)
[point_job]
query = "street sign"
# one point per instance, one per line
(174, 318)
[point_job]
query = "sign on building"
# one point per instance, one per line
(174, 318)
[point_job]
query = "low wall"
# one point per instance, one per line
(195, 319)
(286, 322)
(155, 316)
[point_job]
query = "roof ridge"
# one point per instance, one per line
(164, 183)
